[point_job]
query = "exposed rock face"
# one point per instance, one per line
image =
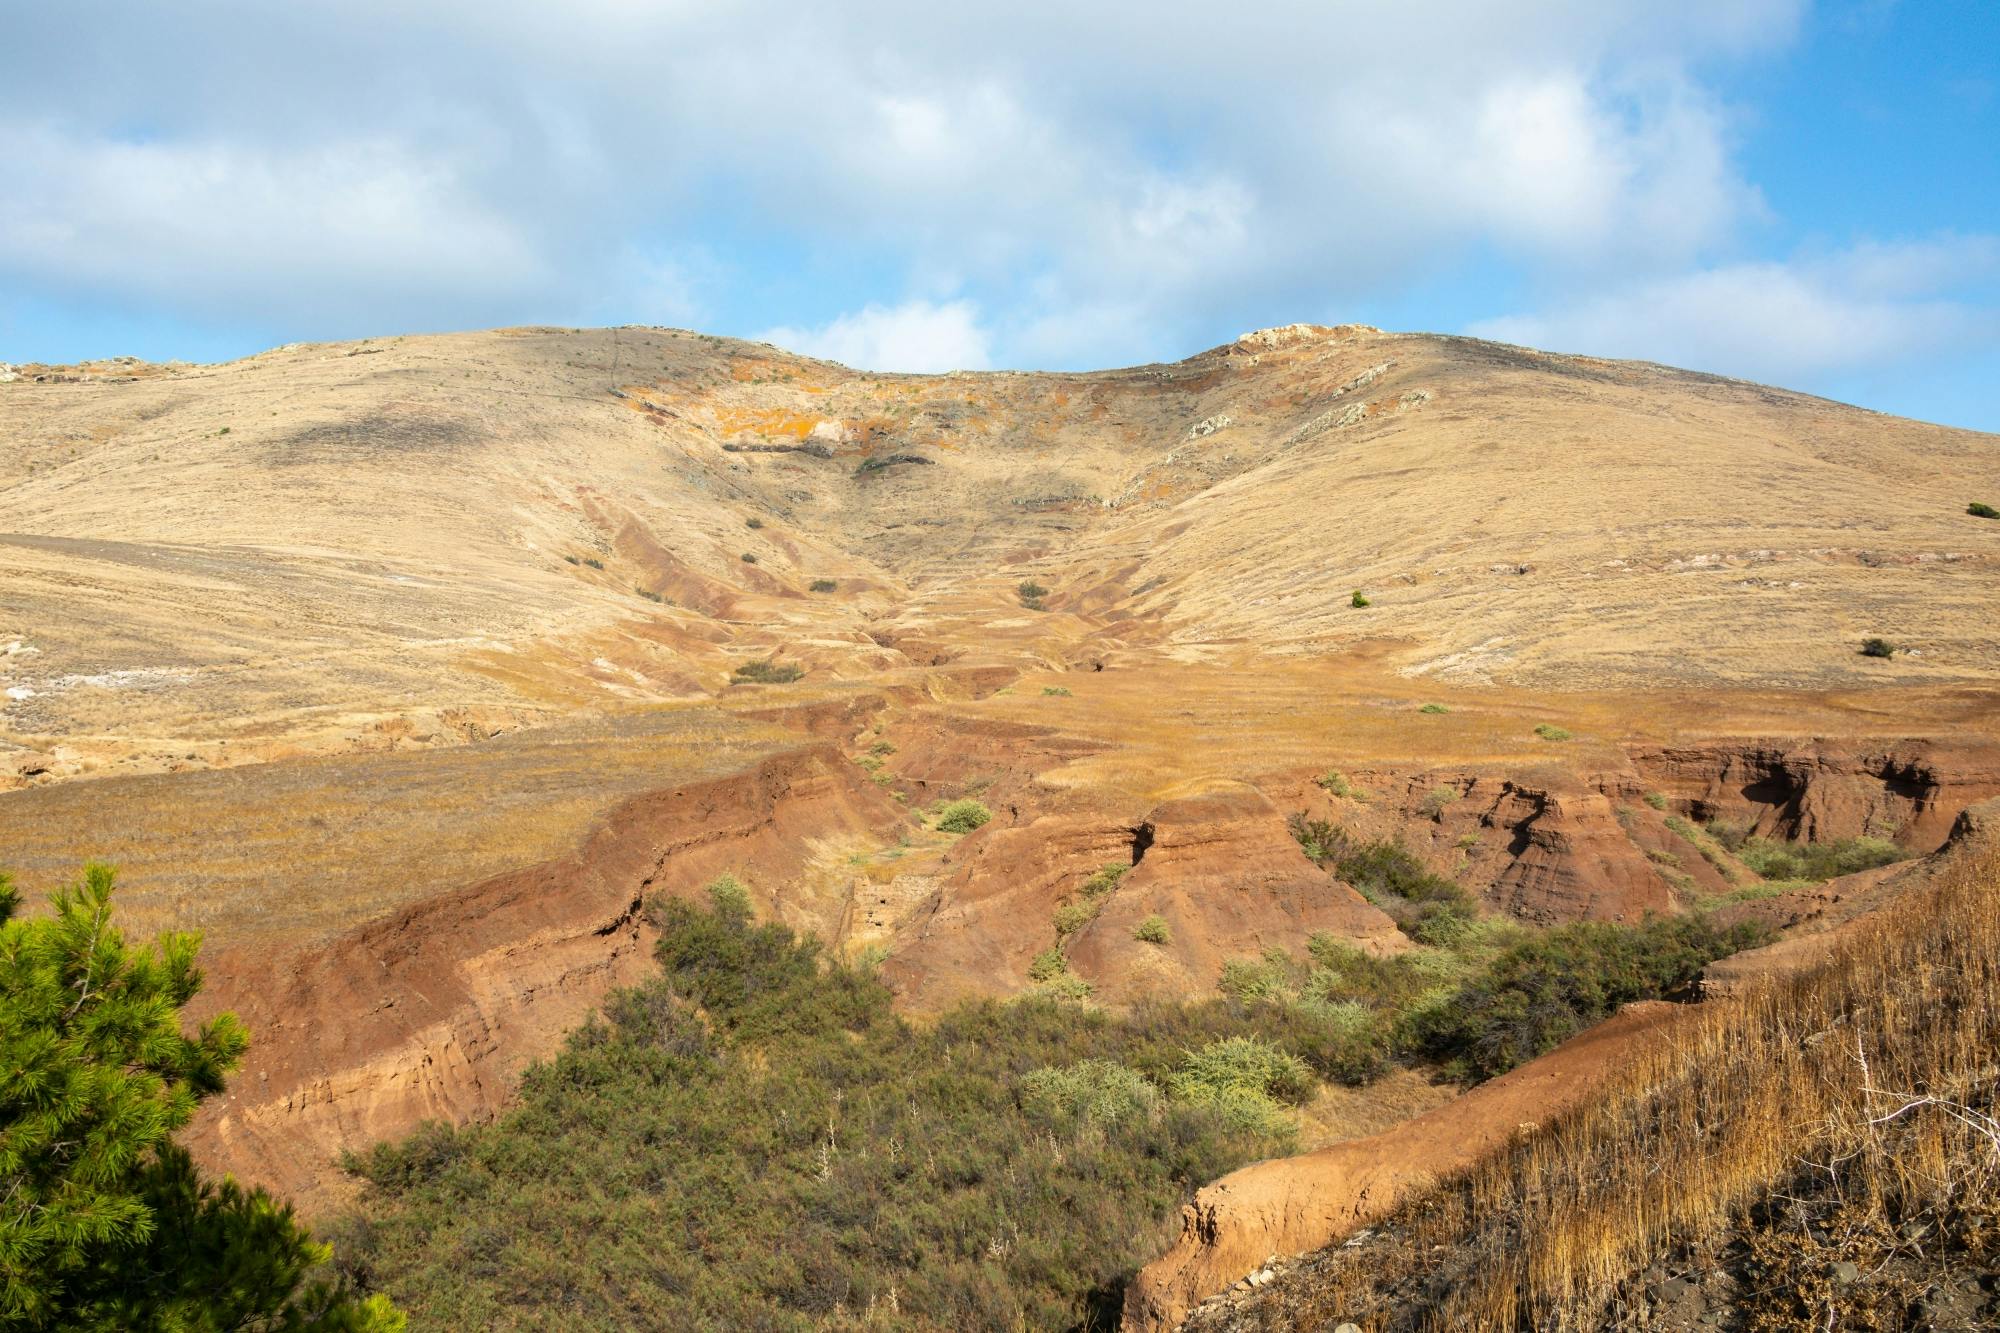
(1823, 790)
(1230, 882)
(1218, 865)
(432, 1013)
(1569, 858)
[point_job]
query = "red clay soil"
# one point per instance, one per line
(433, 1013)
(1218, 865)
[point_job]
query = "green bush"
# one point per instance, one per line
(1029, 590)
(748, 558)
(1099, 1092)
(1816, 860)
(1047, 965)
(1546, 989)
(767, 672)
(1548, 731)
(1433, 708)
(1072, 917)
(1979, 509)
(1153, 930)
(593, 562)
(753, 523)
(1876, 647)
(1054, 692)
(961, 816)
(1104, 880)
(822, 585)
(1425, 906)
(1335, 783)
(1358, 600)
(729, 898)
(754, 1139)
(649, 594)
(1437, 799)
(1246, 1063)
(1654, 799)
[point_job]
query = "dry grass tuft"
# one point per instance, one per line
(1868, 1081)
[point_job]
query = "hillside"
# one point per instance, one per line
(331, 546)
(419, 673)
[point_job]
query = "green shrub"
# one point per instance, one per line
(1153, 930)
(1247, 1063)
(961, 816)
(1104, 880)
(1654, 799)
(1546, 989)
(1047, 965)
(1433, 708)
(1705, 843)
(593, 562)
(570, 559)
(767, 672)
(1979, 509)
(753, 523)
(748, 558)
(1357, 599)
(1029, 590)
(1548, 731)
(822, 585)
(649, 594)
(1425, 906)
(1099, 1092)
(1815, 861)
(1335, 782)
(1065, 986)
(1072, 917)
(882, 748)
(729, 898)
(1437, 799)
(755, 1139)
(1875, 647)
(1054, 692)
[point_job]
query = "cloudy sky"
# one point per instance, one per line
(1803, 193)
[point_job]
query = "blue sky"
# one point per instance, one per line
(1802, 193)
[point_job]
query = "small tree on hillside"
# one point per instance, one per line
(104, 1222)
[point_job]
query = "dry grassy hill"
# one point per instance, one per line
(406, 668)
(341, 546)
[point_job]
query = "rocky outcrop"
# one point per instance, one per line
(1568, 857)
(1822, 790)
(1221, 870)
(1217, 865)
(433, 1013)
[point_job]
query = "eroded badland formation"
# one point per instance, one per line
(405, 670)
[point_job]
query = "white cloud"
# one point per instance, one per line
(1106, 181)
(219, 225)
(1789, 322)
(914, 336)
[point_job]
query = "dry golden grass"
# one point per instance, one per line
(275, 854)
(1873, 1075)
